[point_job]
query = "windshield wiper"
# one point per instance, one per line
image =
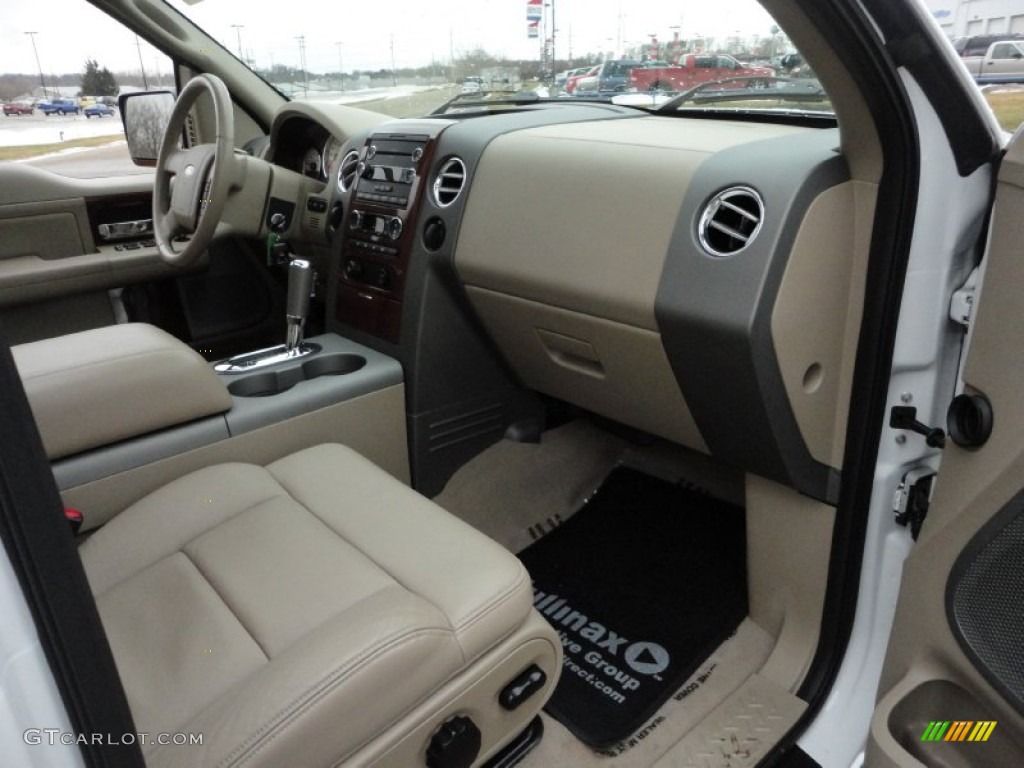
(754, 88)
(485, 99)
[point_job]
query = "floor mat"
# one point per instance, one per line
(642, 584)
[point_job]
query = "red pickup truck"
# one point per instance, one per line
(692, 69)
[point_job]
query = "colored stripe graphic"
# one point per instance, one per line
(935, 731)
(982, 730)
(958, 730)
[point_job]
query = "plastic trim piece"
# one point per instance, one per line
(715, 313)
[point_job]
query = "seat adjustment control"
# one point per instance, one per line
(529, 681)
(455, 745)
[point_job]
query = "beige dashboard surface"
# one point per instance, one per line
(562, 246)
(97, 387)
(580, 215)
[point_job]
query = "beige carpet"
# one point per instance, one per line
(516, 492)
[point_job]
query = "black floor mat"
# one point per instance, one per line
(642, 584)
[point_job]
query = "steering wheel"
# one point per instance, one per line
(202, 176)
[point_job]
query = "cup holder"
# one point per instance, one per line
(332, 365)
(269, 383)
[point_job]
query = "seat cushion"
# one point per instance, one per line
(295, 609)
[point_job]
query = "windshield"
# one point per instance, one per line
(408, 58)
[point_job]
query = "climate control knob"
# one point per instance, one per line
(393, 229)
(353, 269)
(355, 220)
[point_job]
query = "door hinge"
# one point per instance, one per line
(913, 497)
(961, 306)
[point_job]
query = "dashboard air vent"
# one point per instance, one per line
(449, 182)
(730, 221)
(347, 170)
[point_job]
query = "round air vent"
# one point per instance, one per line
(730, 221)
(449, 181)
(347, 170)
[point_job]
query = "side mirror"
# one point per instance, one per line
(145, 116)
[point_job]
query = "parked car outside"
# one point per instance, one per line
(472, 85)
(99, 110)
(1002, 62)
(692, 70)
(573, 80)
(18, 108)
(977, 45)
(60, 107)
(611, 77)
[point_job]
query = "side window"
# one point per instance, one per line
(1004, 51)
(59, 91)
(726, 63)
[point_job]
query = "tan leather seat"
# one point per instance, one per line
(311, 612)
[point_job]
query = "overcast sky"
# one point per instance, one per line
(70, 30)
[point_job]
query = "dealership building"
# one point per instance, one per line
(961, 18)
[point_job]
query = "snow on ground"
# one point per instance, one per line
(25, 130)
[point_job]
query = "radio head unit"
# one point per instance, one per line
(388, 172)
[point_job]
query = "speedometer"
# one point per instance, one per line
(331, 152)
(311, 163)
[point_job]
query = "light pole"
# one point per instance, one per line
(341, 68)
(394, 77)
(238, 36)
(138, 46)
(302, 63)
(554, 29)
(42, 82)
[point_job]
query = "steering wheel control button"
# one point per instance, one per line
(531, 680)
(455, 745)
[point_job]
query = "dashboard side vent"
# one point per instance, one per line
(347, 170)
(449, 182)
(730, 221)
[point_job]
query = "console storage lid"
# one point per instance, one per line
(101, 386)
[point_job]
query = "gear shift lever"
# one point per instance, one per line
(300, 287)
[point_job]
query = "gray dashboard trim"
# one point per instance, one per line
(246, 414)
(92, 465)
(715, 313)
(250, 413)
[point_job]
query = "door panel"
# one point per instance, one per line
(49, 241)
(57, 267)
(956, 654)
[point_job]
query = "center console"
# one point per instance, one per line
(383, 183)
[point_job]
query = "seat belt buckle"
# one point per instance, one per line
(74, 518)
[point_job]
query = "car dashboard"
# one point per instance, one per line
(689, 277)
